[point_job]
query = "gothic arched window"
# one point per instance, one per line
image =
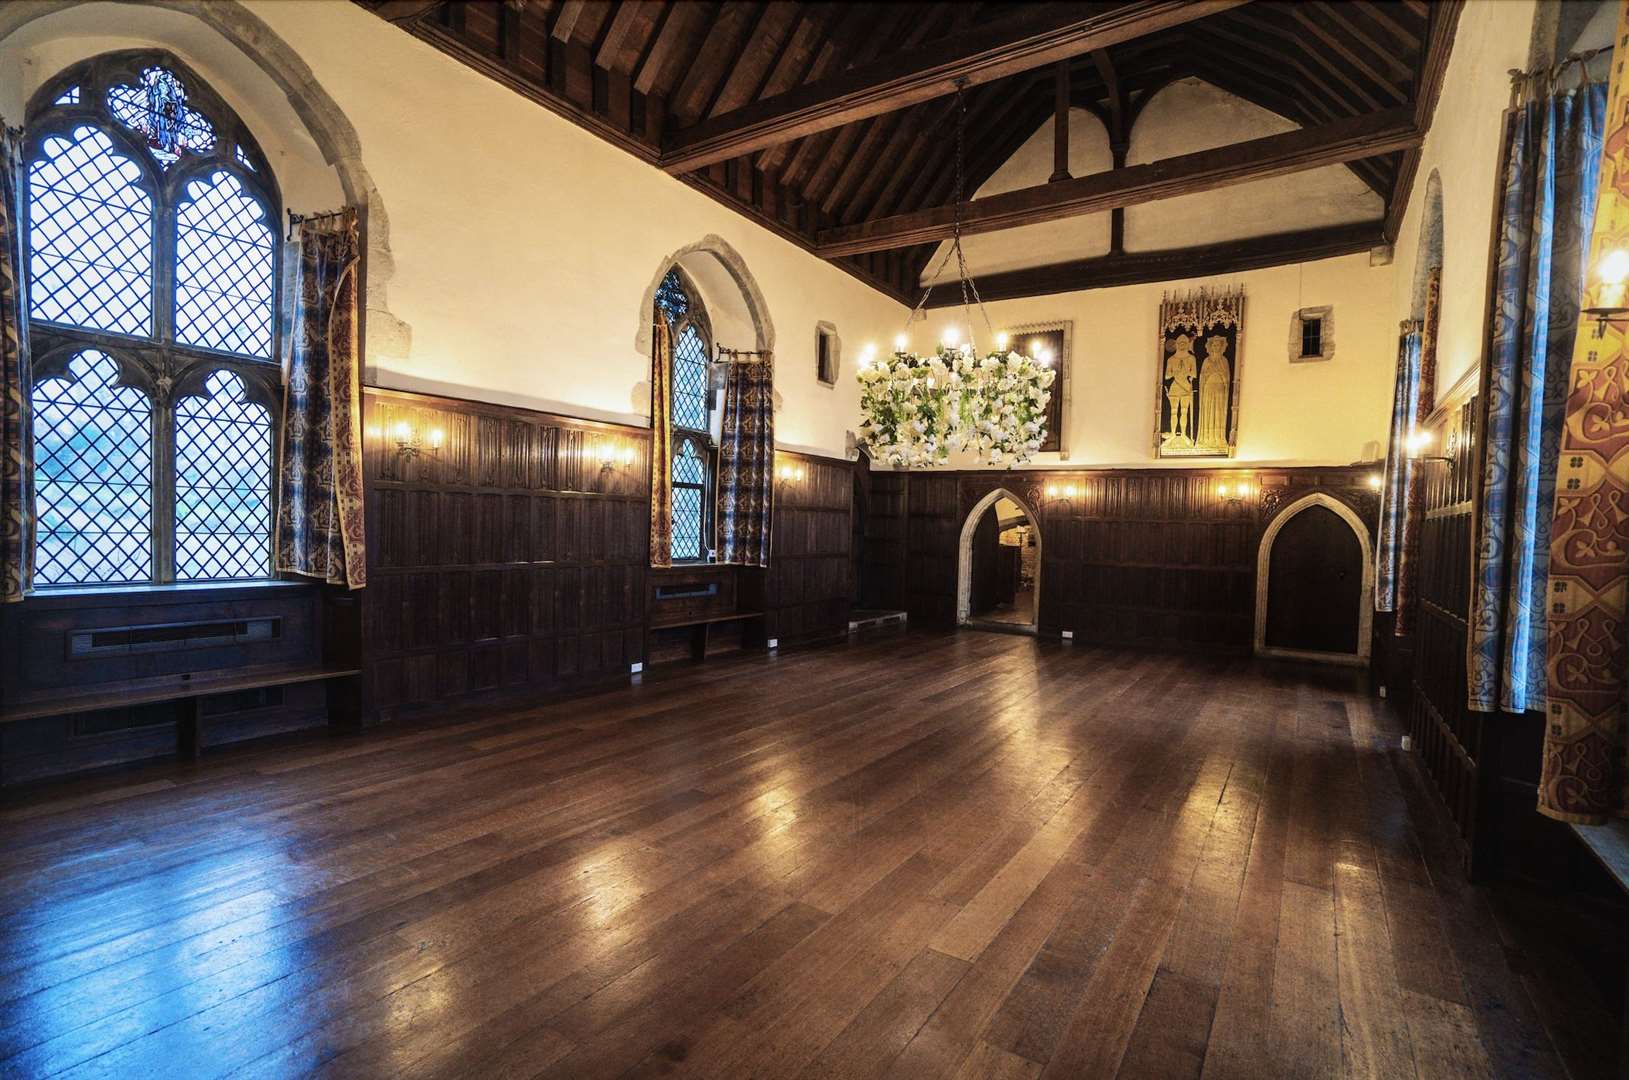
(153, 259)
(691, 410)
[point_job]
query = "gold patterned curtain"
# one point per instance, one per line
(746, 462)
(1585, 776)
(319, 505)
(14, 444)
(661, 443)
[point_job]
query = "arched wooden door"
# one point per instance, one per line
(1315, 581)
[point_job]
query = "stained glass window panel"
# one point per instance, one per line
(689, 485)
(157, 110)
(223, 456)
(93, 470)
(671, 299)
(69, 96)
(90, 236)
(690, 381)
(223, 268)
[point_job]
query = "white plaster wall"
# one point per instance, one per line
(1052, 241)
(1330, 413)
(1190, 116)
(1463, 146)
(522, 244)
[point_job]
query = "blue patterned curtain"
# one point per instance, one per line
(746, 461)
(15, 549)
(1399, 470)
(1545, 215)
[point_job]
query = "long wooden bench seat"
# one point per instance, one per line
(188, 688)
(699, 626)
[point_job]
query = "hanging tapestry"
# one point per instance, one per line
(1394, 495)
(661, 443)
(1197, 411)
(1585, 775)
(319, 505)
(14, 443)
(1552, 157)
(746, 462)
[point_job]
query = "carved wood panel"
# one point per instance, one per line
(810, 587)
(512, 557)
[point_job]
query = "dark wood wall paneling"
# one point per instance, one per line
(1146, 557)
(810, 586)
(885, 525)
(512, 559)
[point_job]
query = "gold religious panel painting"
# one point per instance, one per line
(1197, 412)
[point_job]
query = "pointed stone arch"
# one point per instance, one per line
(964, 553)
(710, 262)
(1264, 558)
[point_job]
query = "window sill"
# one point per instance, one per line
(135, 593)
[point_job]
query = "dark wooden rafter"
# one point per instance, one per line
(976, 57)
(1272, 155)
(1135, 268)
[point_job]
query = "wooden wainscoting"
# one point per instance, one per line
(884, 555)
(1134, 556)
(512, 558)
(809, 583)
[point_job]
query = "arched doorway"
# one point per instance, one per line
(1315, 584)
(998, 567)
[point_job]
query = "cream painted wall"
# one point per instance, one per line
(522, 245)
(1463, 148)
(1330, 413)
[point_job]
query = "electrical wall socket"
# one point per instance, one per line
(774, 643)
(1408, 742)
(635, 669)
(1068, 635)
(1382, 691)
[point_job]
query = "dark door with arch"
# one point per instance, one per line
(1314, 580)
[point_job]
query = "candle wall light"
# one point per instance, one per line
(789, 473)
(1234, 491)
(410, 445)
(1612, 272)
(1419, 443)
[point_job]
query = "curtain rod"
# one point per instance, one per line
(295, 219)
(738, 356)
(1550, 74)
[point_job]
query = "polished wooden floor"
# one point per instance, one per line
(915, 855)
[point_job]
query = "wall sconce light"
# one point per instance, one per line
(1235, 492)
(1612, 272)
(1420, 441)
(789, 473)
(1065, 491)
(1374, 481)
(408, 443)
(609, 455)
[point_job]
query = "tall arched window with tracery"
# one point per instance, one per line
(678, 302)
(153, 257)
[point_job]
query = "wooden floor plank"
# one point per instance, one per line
(974, 855)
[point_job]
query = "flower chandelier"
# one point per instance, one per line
(917, 410)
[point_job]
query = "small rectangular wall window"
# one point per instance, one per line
(827, 353)
(1312, 335)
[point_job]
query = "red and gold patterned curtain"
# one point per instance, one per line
(14, 444)
(746, 463)
(661, 443)
(1585, 777)
(319, 505)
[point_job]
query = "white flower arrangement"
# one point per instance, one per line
(915, 410)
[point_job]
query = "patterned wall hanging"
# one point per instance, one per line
(1585, 775)
(1196, 409)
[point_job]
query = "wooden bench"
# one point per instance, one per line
(1609, 844)
(188, 688)
(701, 624)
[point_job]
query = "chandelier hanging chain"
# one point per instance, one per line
(967, 284)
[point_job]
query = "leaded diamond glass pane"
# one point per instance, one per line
(223, 268)
(90, 236)
(223, 455)
(690, 381)
(69, 96)
(689, 484)
(93, 476)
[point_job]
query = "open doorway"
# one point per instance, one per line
(1000, 566)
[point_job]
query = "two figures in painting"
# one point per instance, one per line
(1197, 395)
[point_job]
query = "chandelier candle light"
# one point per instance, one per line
(916, 410)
